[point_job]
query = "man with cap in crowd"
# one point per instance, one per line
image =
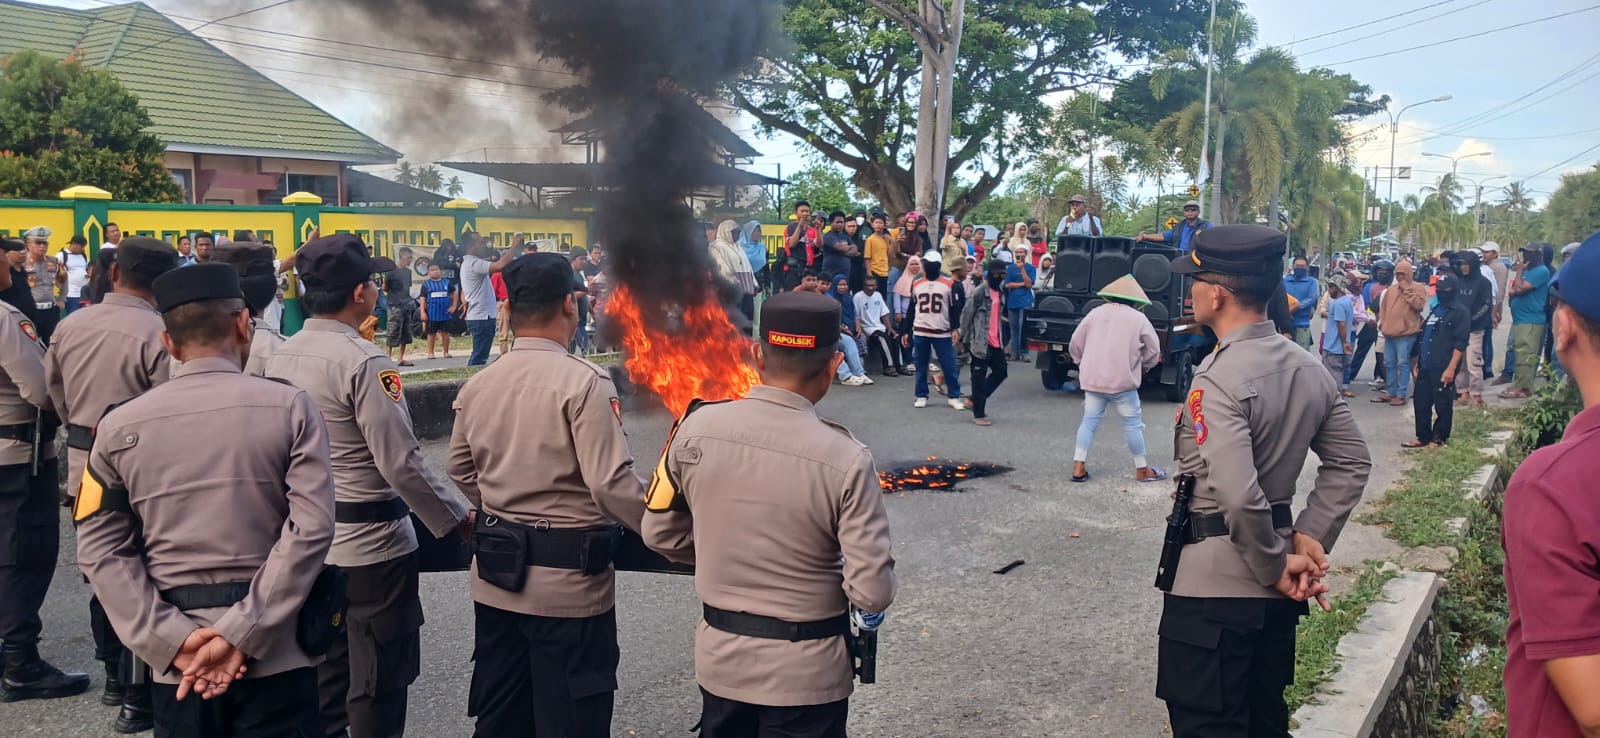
(380, 477)
(539, 450)
(783, 567)
(1529, 290)
(1114, 346)
(205, 559)
(932, 326)
(102, 356)
(1502, 279)
(1258, 404)
(1476, 294)
(1439, 363)
(1400, 322)
(1078, 221)
(47, 279)
(17, 295)
(258, 281)
(1303, 287)
(1181, 235)
(29, 529)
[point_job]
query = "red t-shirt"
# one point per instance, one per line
(1551, 536)
(499, 284)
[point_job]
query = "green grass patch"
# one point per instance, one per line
(1317, 637)
(1475, 612)
(1429, 494)
(442, 375)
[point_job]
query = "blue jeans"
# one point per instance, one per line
(73, 303)
(921, 349)
(1018, 347)
(482, 332)
(851, 367)
(1094, 408)
(1397, 364)
(1488, 354)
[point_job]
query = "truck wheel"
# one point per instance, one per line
(1054, 378)
(1179, 388)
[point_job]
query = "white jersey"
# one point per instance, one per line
(933, 302)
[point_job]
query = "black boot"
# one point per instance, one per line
(115, 692)
(137, 715)
(28, 677)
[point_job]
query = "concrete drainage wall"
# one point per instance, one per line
(433, 416)
(1389, 679)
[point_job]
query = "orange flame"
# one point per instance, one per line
(705, 357)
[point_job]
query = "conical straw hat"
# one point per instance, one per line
(1126, 288)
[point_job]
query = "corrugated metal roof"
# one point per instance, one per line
(197, 95)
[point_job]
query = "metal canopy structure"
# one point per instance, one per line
(730, 148)
(369, 189)
(542, 182)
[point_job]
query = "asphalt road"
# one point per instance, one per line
(1063, 645)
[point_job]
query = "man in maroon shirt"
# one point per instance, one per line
(1552, 539)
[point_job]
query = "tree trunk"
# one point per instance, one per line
(1216, 167)
(1273, 221)
(927, 168)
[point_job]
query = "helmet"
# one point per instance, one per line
(1383, 264)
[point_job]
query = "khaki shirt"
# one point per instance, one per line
(787, 521)
(257, 507)
(1256, 406)
(263, 345)
(22, 385)
(104, 354)
(375, 452)
(538, 437)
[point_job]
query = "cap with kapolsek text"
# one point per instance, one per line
(1580, 275)
(800, 320)
(196, 283)
(1234, 250)
(146, 257)
(339, 262)
(539, 278)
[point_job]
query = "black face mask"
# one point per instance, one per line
(995, 280)
(1385, 277)
(1445, 296)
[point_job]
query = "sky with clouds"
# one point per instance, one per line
(1524, 81)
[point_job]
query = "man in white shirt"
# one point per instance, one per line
(77, 265)
(113, 237)
(1078, 221)
(478, 292)
(874, 331)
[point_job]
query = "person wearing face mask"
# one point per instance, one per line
(1477, 296)
(1530, 291)
(1304, 289)
(981, 325)
(931, 328)
(1372, 293)
(1400, 321)
(1444, 341)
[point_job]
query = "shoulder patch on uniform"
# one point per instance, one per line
(839, 427)
(392, 386)
(30, 330)
(1196, 398)
(616, 409)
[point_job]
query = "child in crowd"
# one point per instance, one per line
(442, 300)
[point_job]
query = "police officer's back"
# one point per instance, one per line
(782, 514)
(1257, 404)
(538, 447)
(380, 477)
(258, 280)
(187, 546)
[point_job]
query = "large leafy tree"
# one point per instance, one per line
(429, 178)
(850, 87)
(1574, 209)
(825, 186)
(63, 123)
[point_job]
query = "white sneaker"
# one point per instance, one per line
(854, 382)
(956, 403)
(921, 402)
(868, 380)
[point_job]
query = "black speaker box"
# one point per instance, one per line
(1152, 268)
(1113, 260)
(1074, 265)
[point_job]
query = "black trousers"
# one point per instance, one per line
(987, 374)
(283, 705)
(1223, 664)
(725, 718)
(363, 681)
(1364, 341)
(29, 543)
(1434, 404)
(884, 348)
(543, 677)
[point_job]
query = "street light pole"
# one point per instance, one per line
(1394, 131)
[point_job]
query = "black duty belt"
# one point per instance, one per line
(20, 432)
(1213, 525)
(565, 548)
(80, 437)
(202, 596)
(761, 626)
(382, 511)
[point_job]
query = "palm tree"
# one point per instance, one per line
(429, 178)
(1446, 193)
(406, 176)
(454, 188)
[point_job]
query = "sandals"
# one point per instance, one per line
(1397, 401)
(1382, 397)
(1083, 478)
(1348, 394)
(1414, 444)
(985, 422)
(1159, 475)
(405, 363)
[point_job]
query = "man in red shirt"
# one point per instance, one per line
(1552, 539)
(502, 311)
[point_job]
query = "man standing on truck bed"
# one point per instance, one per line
(1181, 235)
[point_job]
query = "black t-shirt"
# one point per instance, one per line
(1278, 310)
(398, 282)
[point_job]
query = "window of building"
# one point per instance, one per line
(185, 180)
(325, 186)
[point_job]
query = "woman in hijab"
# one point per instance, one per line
(755, 251)
(733, 267)
(1019, 237)
(852, 373)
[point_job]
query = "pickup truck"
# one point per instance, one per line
(1086, 265)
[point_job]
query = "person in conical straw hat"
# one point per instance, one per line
(1114, 346)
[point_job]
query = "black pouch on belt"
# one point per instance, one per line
(599, 546)
(501, 552)
(322, 616)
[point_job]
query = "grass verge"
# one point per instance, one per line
(1416, 511)
(1317, 637)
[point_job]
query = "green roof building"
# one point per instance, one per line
(233, 136)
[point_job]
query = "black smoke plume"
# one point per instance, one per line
(630, 66)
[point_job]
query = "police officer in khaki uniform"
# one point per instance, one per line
(204, 557)
(379, 478)
(538, 447)
(101, 356)
(781, 566)
(29, 531)
(258, 280)
(1256, 406)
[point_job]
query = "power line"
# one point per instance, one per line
(1562, 163)
(1388, 31)
(191, 31)
(1362, 25)
(1462, 38)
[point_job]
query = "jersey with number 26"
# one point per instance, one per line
(933, 300)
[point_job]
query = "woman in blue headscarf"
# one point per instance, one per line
(852, 373)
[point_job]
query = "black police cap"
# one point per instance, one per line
(195, 283)
(11, 244)
(241, 255)
(801, 320)
(539, 278)
(1234, 250)
(146, 257)
(339, 262)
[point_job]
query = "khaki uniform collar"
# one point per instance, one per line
(767, 393)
